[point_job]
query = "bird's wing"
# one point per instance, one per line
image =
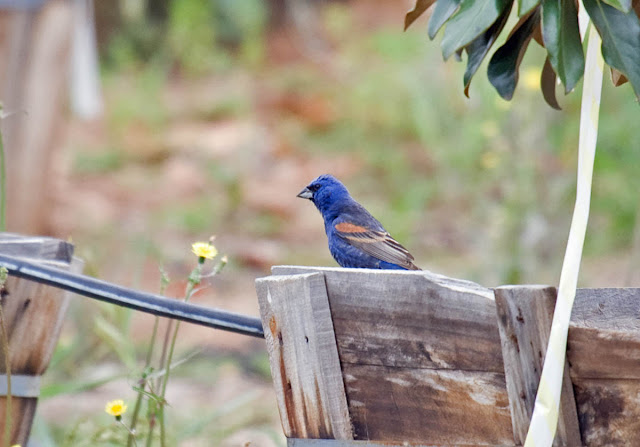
(376, 243)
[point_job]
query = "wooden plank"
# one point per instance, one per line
(604, 336)
(34, 314)
(609, 411)
(37, 247)
(426, 405)
(525, 314)
(420, 355)
(410, 319)
(304, 357)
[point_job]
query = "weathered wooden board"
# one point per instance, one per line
(609, 412)
(303, 357)
(410, 319)
(420, 405)
(422, 360)
(420, 356)
(34, 314)
(525, 314)
(604, 336)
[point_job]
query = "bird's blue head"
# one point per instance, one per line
(327, 194)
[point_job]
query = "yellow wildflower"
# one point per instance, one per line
(116, 408)
(204, 250)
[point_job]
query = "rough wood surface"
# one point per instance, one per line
(303, 357)
(525, 314)
(36, 247)
(422, 363)
(609, 412)
(604, 336)
(34, 315)
(428, 405)
(410, 319)
(420, 356)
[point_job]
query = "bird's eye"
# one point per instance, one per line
(314, 187)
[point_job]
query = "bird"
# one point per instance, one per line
(356, 238)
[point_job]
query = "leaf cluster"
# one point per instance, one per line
(473, 26)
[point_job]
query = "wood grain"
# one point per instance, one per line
(427, 405)
(420, 356)
(525, 314)
(609, 412)
(604, 335)
(410, 319)
(34, 314)
(304, 357)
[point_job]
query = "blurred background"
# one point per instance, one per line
(216, 113)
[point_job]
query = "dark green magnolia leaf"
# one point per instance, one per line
(473, 18)
(525, 6)
(548, 84)
(479, 47)
(622, 5)
(443, 10)
(620, 34)
(562, 39)
(504, 65)
(421, 6)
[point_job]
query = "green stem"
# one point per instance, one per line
(194, 279)
(3, 188)
(138, 406)
(130, 430)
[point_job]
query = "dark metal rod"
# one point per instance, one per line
(133, 299)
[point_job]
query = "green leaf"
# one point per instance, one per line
(548, 84)
(443, 10)
(525, 6)
(562, 39)
(473, 18)
(622, 5)
(479, 47)
(505, 63)
(421, 6)
(620, 34)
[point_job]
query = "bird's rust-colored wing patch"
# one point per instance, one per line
(346, 227)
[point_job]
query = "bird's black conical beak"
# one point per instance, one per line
(305, 194)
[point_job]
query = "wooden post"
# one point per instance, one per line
(34, 50)
(298, 330)
(33, 317)
(420, 354)
(524, 320)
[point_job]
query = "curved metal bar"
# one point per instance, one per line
(133, 299)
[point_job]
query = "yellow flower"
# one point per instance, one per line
(204, 250)
(116, 408)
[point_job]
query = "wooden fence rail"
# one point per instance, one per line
(33, 315)
(430, 360)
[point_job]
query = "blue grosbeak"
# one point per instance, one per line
(356, 238)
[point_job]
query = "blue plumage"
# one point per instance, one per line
(356, 238)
